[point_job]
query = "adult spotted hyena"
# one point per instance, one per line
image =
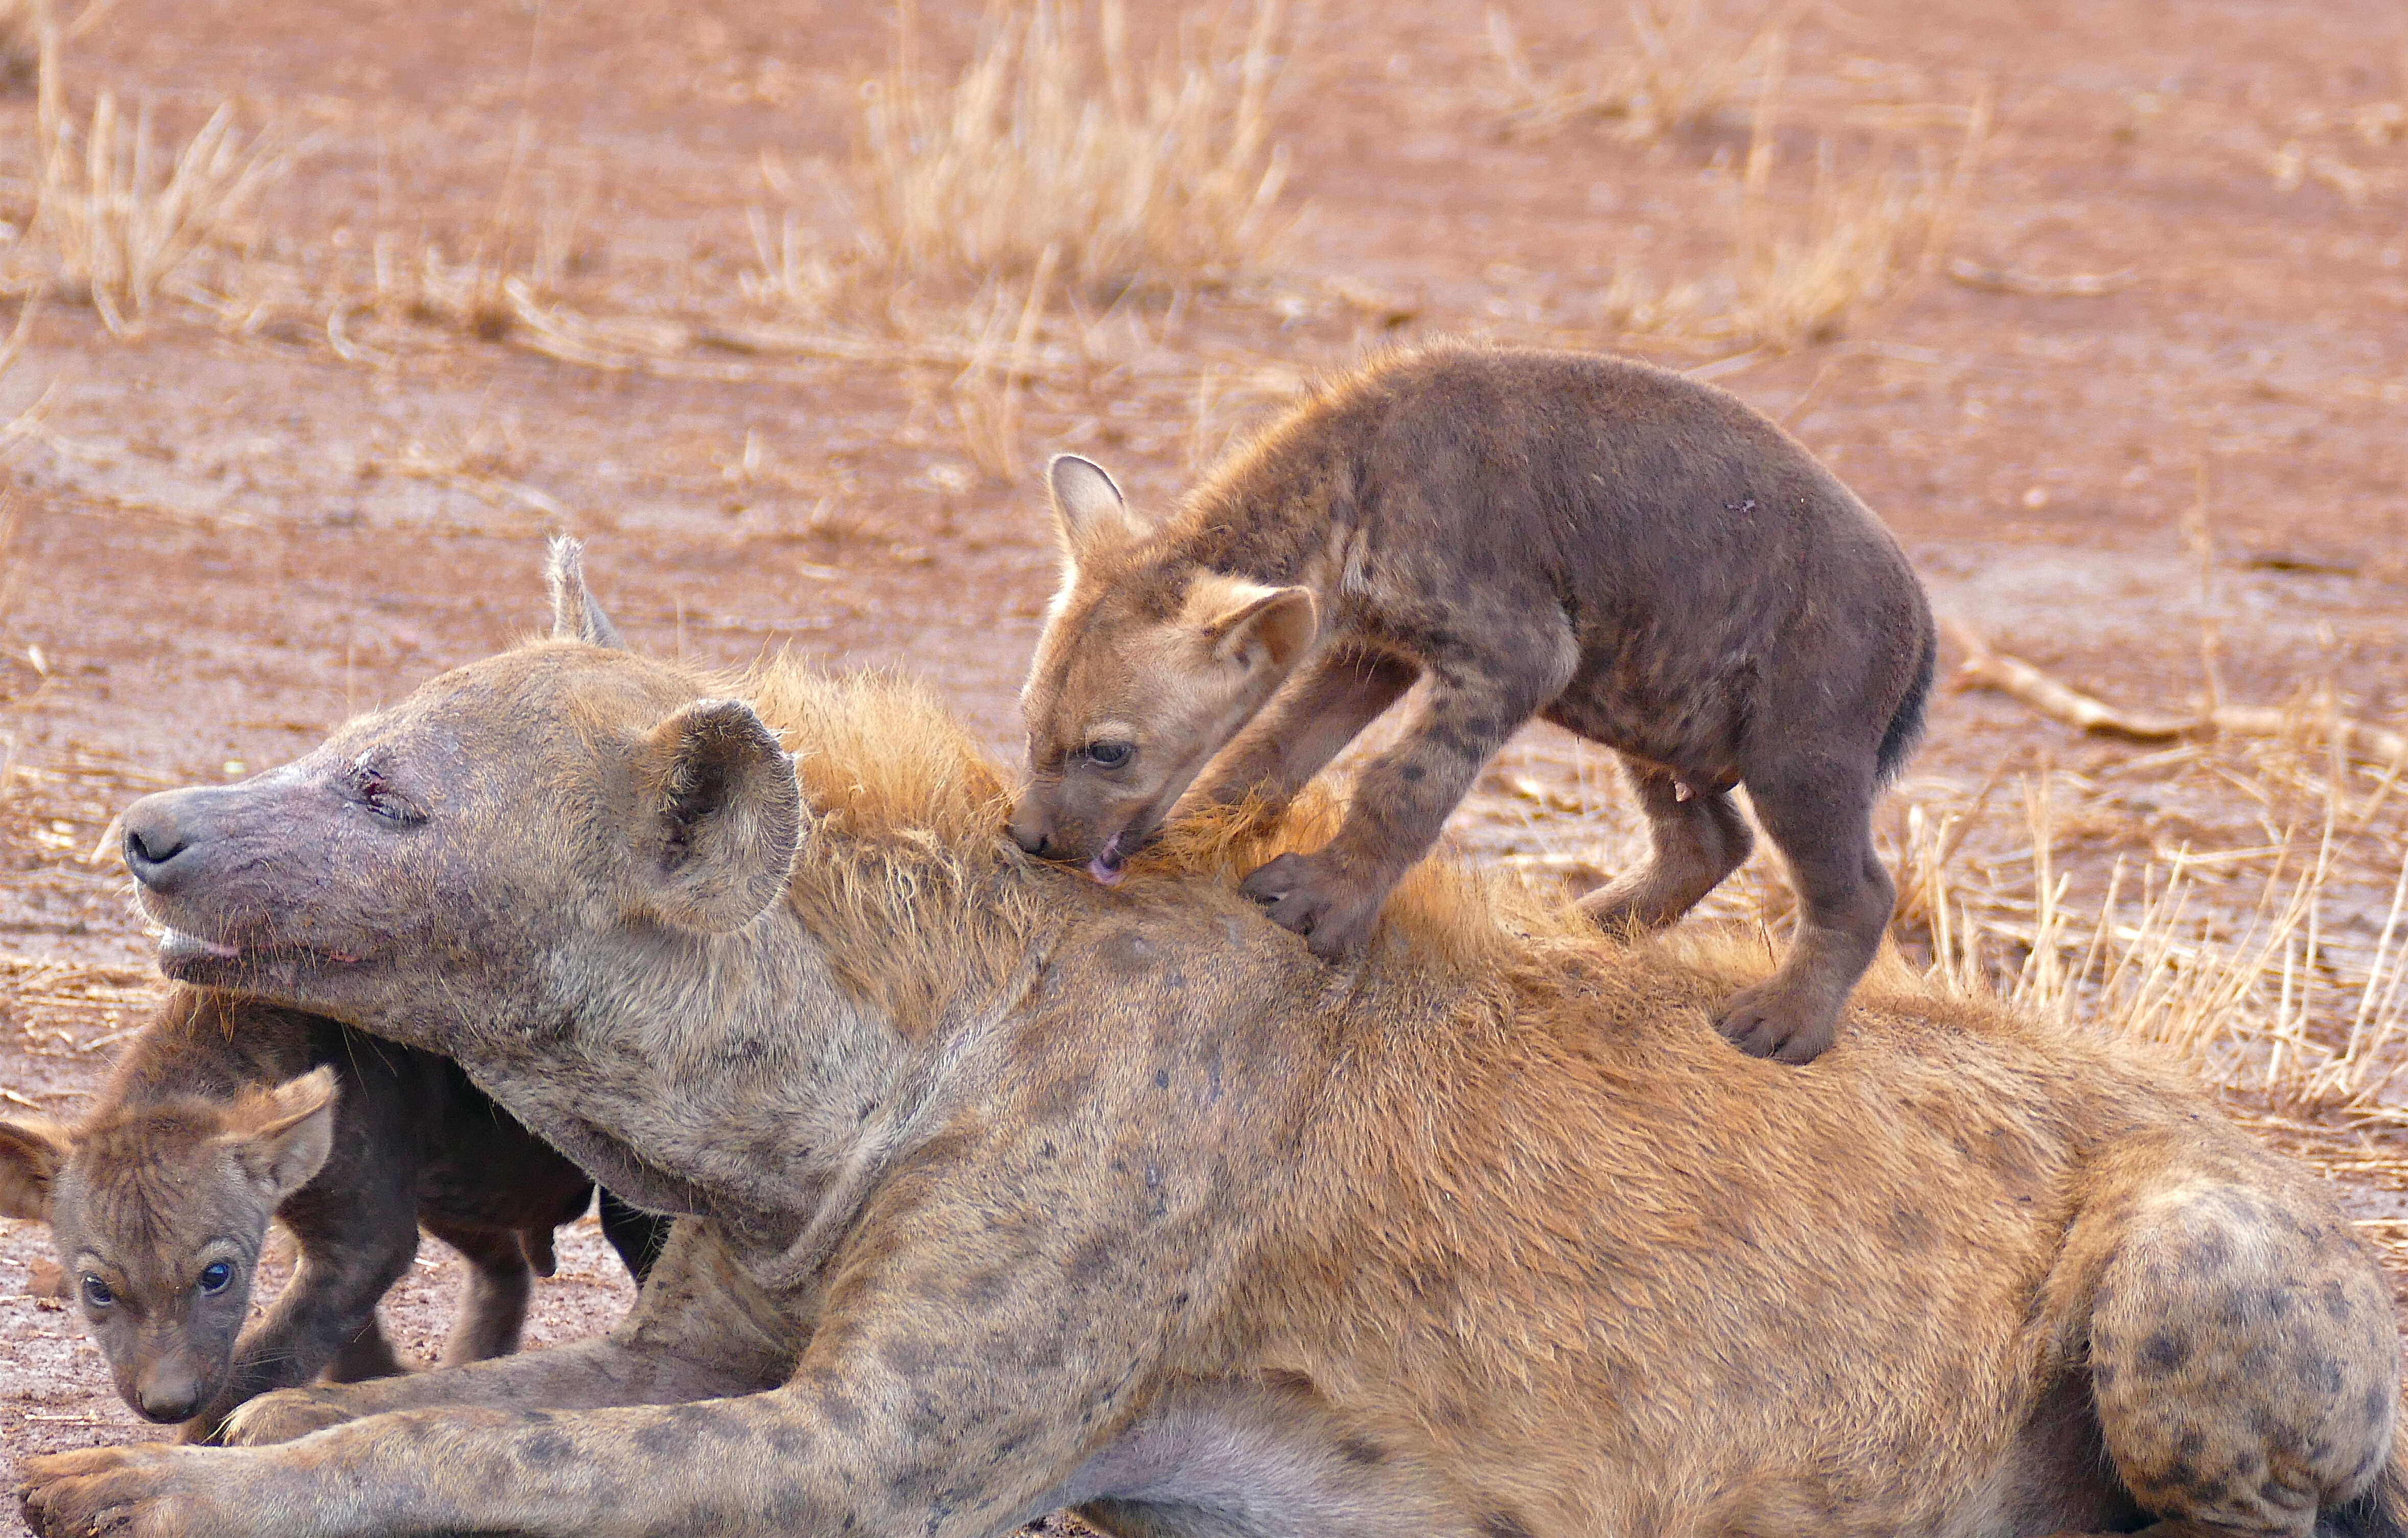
(1635, 556)
(1014, 1191)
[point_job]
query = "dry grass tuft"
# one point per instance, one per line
(116, 221)
(1869, 226)
(988, 392)
(1679, 73)
(1052, 138)
(1807, 274)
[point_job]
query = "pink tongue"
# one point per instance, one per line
(1105, 865)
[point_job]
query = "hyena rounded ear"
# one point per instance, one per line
(282, 1138)
(717, 816)
(1088, 510)
(32, 1150)
(1263, 626)
(575, 615)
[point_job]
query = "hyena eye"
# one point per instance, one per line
(371, 787)
(97, 1293)
(1110, 755)
(216, 1276)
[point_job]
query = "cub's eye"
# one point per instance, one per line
(1110, 755)
(216, 1276)
(371, 787)
(97, 1293)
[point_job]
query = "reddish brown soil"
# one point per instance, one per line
(221, 547)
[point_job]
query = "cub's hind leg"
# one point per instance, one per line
(1696, 837)
(501, 1283)
(2245, 1361)
(1817, 810)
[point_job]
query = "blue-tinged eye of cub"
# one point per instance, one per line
(1110, 755)
(97, 1293)
(216, 1276)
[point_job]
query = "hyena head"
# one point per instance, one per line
(1146, 669)
(159, 1212)
(458, 870)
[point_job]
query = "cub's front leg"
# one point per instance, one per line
(1480, 694)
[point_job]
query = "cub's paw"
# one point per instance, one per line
(286, 1414)
(145, 1490)
(1308, 895)
(1768, 1022)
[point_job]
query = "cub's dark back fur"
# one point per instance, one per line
(1474, 455)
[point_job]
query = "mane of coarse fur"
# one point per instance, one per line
(904, 871)
(908, 831)
(925, 903)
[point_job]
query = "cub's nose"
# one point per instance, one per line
(169, 1394)
(1030, 834)
(158, 829)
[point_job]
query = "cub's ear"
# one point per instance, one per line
(281, 1137)
(1089, 511)
(1253, 624)
(32, 1149)
(575, 615)
(718, 815)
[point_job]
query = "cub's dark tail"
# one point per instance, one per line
(2382, 1511)
(1906, 725)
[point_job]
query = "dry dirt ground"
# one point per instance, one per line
(248, 516)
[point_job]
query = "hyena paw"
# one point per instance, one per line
(1311, 895)
(286, 1414)
(132, 1491)
(1766, 1021)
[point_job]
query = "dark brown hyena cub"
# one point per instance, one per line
(224, 1113)
(1631, 554)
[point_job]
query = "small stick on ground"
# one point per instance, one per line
(1983, 669)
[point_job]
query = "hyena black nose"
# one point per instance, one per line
(1030, 835)
(168, 1396)
(158, 828)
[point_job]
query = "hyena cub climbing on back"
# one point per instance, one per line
(1633, 555)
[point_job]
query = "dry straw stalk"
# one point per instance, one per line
(1052, 138)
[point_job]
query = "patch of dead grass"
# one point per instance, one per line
(1679, 71)
(1052, 138)
(116, 220)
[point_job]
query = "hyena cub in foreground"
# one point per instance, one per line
(226, 1112)
(1633, 555)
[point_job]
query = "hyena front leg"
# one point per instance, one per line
(699, 1330)
(1476, 700)
(948, 1423)
(1307, 724)
(1696, 837)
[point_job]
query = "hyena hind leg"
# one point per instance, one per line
(2246, 1363)
(1818, 813)
(365, 1356)
(493, 1307)
(1696, 837)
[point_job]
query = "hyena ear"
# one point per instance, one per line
(1257, 626)
(32, 1149)
(575, 615)
(281, 1137)
(717, 816)
(1088, 510)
